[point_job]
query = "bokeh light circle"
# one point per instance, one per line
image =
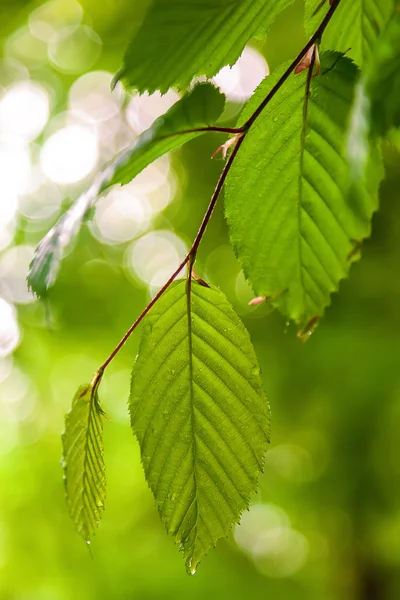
(9, 330)
(153, 257)
(266, 534)
(239, 82)
(51, 16)
(15, 165)
(14, 266)
(121, 216)
(144, 109)
(70, 154)
(74, 49)
(91, 98)
(24, 110)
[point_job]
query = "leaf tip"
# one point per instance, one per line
(307, 331)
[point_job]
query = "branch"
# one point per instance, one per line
(232, 130)
(189, 258)
(191, 255)
(315, 38)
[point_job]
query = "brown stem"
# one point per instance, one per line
(315, 38)
(216, 128)
(191, 255)
(189, 258)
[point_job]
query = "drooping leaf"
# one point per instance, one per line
(48, 254)
(355, 26)
(83, 463)
(199, 108)
(200, 415)
(377, 103)
(291, 221)
(180, 39)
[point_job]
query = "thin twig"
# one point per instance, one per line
(191, 255)
(315, 38)
(189, 258)
(207, 128)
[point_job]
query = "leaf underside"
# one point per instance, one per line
(83, 463)
(292, 222)
(199, 108)
(48, 254)
(354, 28)
(200, 415)
(181, 39)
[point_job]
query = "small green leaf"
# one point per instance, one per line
(376, 107)
(199, 108)
(200, 415)
(46, 261)
(354, 28)
(83, 464)
(291, 221)
(180, 39)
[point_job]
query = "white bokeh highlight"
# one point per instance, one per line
(15, 166)
(92, 100)
(24, 110)
(239, 81)
(14, 266)
(265, 533)
(121, 216)
(153, 258)
(9, 330)
(70, 154)
(144, 109)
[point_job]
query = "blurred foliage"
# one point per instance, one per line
(329, 501)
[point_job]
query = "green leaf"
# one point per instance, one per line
(355, 26)
(180, 39)
(291, 222)
(393, 138)
(377, 103)
(200, 415)
(382, 79)
(199, 108)
(83, 464)
(48, 254)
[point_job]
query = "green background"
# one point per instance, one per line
(329, 500)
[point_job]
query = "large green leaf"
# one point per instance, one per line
(83, 463)
(200, 415)
(291, 220)
(199, 108)
(377, 104)
(355, 26)
(180, 39)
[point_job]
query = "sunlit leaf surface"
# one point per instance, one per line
(291, 220)
(200, 415)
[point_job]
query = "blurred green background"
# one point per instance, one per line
(325, 523)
